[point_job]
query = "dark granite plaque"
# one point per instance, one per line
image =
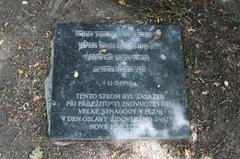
(117, 82)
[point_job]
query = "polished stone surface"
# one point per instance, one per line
(117, 82)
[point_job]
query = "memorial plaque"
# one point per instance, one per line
(117, 82)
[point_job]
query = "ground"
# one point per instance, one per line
(211, 39)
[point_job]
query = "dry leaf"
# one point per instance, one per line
(1, 42)
(188, 154)
(205, 93)
(24, 2)
(19, 47)
(37, 153)
(20, 71)
(75, 74)
(36, 98)
(217, 84)
(103, 50)
(121, 21)
(36, 64)
(155, 147)
(6, 24)
(206, 157)
(191, 30)
(114, 154)
(194, 136)
(122, 2)
(158, 32)
(197, 71)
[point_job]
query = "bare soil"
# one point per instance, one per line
(211, 41)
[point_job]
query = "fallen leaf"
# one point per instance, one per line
(191, 30)
(114, 154)
(36, 98)
(226, 83)
(206, 157)
(1, 42)
(139, 22)
(121, 21)
(122, 2)
(158, 20)
(37, 153)
(19, 47)
(197, 71)
(217, 84)
(36, 64)
(205, 93)
(158, 33)
(155, 147)
(20, 71)
(194, 136)
(75, 74)
(5, 24)
(25, 105)
(188, 154)
(103, 50)
(24, 2)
